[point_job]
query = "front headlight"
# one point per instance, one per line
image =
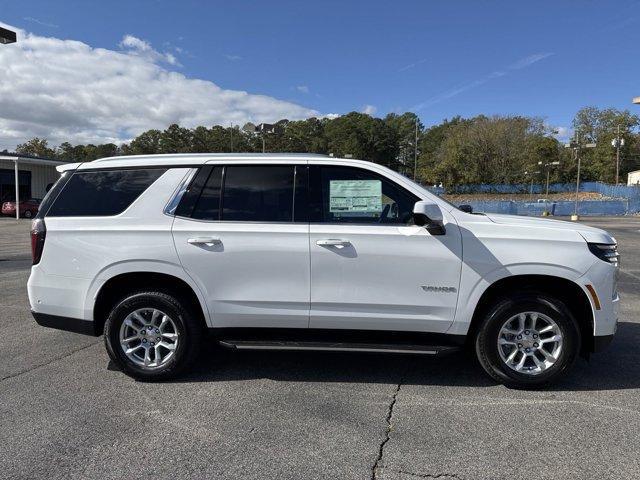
(607, 252)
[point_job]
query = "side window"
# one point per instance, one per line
(354, 195)
(102, 192)
(207, 205)
(258, 193)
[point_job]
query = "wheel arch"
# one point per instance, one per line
(573, 296)
(118, 285)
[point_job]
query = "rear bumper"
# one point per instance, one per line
(75, 325)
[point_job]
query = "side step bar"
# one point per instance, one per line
(338, 347)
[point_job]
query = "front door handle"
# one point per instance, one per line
(333, 242)
(204, 241)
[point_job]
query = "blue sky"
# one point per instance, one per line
(440, 59)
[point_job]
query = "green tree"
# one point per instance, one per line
(404, 128)
(304, 136)
(600, 126)
(363, 137)
(176, 139)
(146, 143)
(37, 147)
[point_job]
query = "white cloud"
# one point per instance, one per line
(302, 89)
(40, 22)
(136, 46)
(66, 90)
(233, 58)
(412, 65)
(562, 133)
(530, 60)
(369, 109)
(518, 65)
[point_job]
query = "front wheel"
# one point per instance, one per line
(152, 335)
(527, 340)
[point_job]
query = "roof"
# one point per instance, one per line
(29, 159)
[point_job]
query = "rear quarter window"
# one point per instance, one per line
(103, 192)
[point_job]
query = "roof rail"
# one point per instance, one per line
(174, 156)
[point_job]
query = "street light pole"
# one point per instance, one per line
(575, 210)
(618, 142)
(7, 36)
(548, 166)
(16, 177)
(576, 146)
(415, 153)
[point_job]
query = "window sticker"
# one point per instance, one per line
(355, 197)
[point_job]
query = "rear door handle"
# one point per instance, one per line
(204, 241)
(333, 242)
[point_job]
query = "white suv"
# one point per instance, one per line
(307, 252)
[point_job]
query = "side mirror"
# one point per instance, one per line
(466, 208)
(428, 214)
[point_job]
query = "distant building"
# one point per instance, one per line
(633, 178)
(35, 175)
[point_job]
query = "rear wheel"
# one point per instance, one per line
(152, 335)
(28, 214)
(527, 340)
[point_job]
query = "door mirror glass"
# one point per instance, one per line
(466, 208)
(428, 214)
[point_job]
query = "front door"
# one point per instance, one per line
(370, 268)
(237, 236)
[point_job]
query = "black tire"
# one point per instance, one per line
(188, 326)
(28, 214)
(486, 344)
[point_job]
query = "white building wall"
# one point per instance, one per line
(41, 175)
(633, 178)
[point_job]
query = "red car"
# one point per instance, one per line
(28, 208)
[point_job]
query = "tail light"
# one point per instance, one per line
(38, 233)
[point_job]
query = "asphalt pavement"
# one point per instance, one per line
(66, 412)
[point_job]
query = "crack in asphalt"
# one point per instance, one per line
(40, 365)
(430, 475)
(379, 463)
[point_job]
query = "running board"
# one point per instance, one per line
(338, 347)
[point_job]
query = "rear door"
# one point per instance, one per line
(239, 237)
(372, 269)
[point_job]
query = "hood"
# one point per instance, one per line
(590, 234)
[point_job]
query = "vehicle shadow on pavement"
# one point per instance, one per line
(613, 369)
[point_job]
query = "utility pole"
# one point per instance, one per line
(232, 138)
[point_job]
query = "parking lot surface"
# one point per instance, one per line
(65, 412)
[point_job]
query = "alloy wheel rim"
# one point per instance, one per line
(148, 337)
(530, 343)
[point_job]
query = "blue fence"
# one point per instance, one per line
(618, 191)
(585, 207)
(624, 200)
